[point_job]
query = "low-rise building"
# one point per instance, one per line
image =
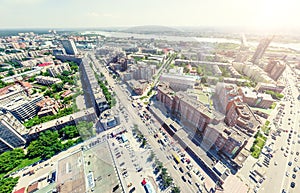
(48, 106)
(255, 99)
(262, 87)
(138, 87)
(46, 80)
(179, 82)
(109, 119)
(56, 70)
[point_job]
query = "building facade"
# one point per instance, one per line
(46, 80)
(24, 108)
(56, 70)
(70, 47)
(11, 131)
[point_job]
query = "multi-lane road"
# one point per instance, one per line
(280, 173)
(160, 153)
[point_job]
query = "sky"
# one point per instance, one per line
(125, 13)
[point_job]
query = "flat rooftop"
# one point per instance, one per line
(70, 174)
(99, 169)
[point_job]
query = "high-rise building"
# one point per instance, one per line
(11, 131)
(70, 47)
(261, 49)
(277, 70)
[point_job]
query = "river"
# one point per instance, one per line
(294, 46)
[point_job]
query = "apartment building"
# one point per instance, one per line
(46, 80)
(24, 108)
(224, 93)
(224, 139)
(11, 131)
(56, 70)
(9, 93)
(179, 82)
(275, 68)
(262, 87)
(186, 109)
(70, 47)
(255, 99)
(240, 116)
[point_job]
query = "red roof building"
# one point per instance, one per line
(22, 190)
(45, 64)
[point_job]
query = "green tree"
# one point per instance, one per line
(57, 87)
(175, 190)
(6, 161)
(8, 184)
(10, 73)
(66, 73)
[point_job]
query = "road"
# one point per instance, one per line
(276, 175)
(133, 115)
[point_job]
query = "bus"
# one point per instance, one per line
(176, 157)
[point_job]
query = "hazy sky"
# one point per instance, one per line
(107, 13)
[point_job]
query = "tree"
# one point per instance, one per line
(66, 73)
(10, 73)
(6, 161)
(57, 87)
(31, 79)
(204, 80)
(175, 190)
(47, 145)
(68, 132)
(2, 84)
(46, 73)
(8, 184)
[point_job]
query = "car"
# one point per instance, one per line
(296, 159)
(189, 174)
(175, 167)
(290, 163)
(283, 191)
(190, 181)
(295, 169)
(293, 184)
(294, 176)
(183, 178)
(181, 170)
(297, 153)
(287, 174)
(188, 167)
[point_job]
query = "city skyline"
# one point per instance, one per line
(258, 14)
